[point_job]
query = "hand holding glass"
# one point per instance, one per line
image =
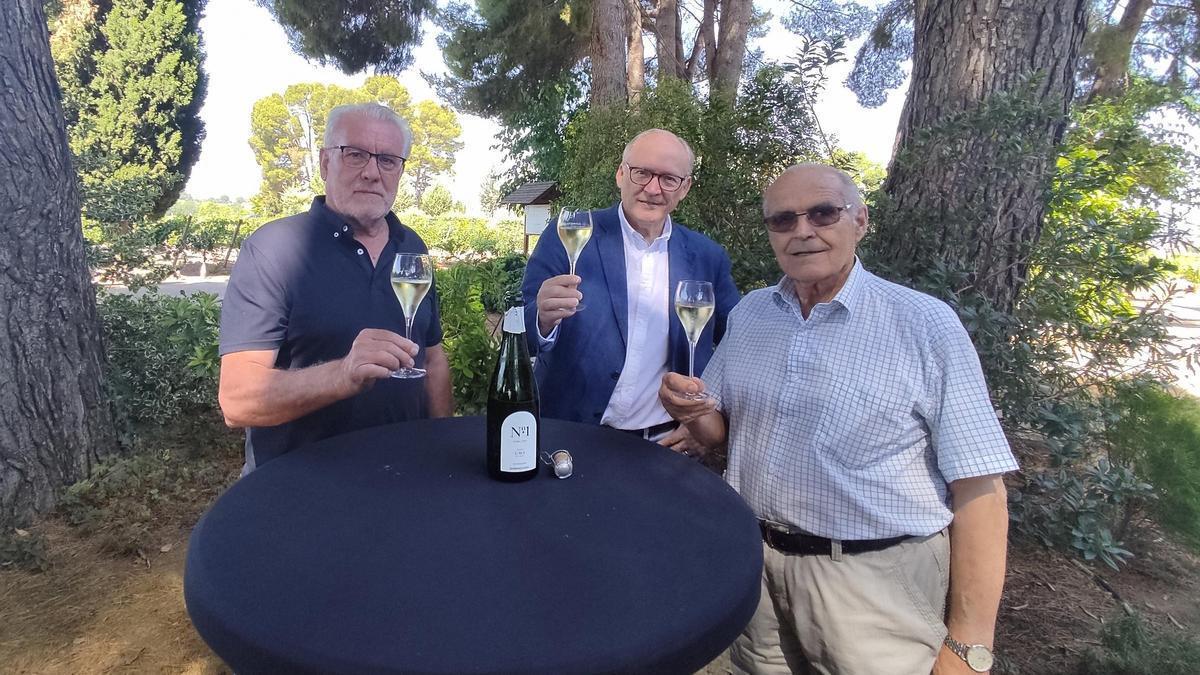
(694, 303)
(574, 230)
(412, 275)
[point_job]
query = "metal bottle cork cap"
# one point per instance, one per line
(562, 463)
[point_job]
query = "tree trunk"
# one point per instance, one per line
(54, 422)
(958, 195)
(1110, 62)
(635, 73)
(734, 27)
(609, 35)
(708, 36)
(666, 45)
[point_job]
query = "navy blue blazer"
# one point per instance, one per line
(577, 373)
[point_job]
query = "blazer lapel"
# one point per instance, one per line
(610, 244)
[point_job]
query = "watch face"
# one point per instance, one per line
(979, 658)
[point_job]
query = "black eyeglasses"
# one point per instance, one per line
(357, 158)
(821, 215)
(667, 181)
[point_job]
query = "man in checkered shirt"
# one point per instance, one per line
(860, 431)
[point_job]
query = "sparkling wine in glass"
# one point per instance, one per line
(412, 275)
(694, 304)
(574, 230)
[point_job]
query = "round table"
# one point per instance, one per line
(390, 550)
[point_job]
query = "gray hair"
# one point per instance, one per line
(373, 111)
(687, 148)
(850, 189)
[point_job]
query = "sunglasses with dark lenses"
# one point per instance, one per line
(821, 215)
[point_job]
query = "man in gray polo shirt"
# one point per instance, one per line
(860, 430)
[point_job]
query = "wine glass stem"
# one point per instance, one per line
(572, 267)
(691, 359)
(408, 329)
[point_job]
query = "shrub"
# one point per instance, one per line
(470, 348)
(1084, 511)
(1159, 434)
(1130, 647)
(162, 355)
(23, 550)
(465, 238)
(125, 500)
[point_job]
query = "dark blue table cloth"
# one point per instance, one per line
(389, 550)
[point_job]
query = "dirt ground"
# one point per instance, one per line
(96, 613)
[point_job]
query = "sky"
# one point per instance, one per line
(248, 57)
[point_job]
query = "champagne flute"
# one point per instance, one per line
(574, 230)
(412, 275)
(694, 304)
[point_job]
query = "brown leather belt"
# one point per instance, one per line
(798, 543)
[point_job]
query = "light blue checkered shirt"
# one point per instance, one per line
(851, 424)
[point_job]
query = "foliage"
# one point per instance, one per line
(1187, 267)
(353, 34)
(470, 348)
(23, 550)
(124, 500)
(162, 355)
(520, 63)
(439, 202)
(287, 133)
(500, 278)
(1131, 647)
(435, 140)
(465, 238)
(1087, 511)
(878, 64)
(739, 148)
(1159, 435)
(132, 88)
(490, 195)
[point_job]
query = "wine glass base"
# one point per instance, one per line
(408, 373)
(702, 396)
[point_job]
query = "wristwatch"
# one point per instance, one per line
(978, 657)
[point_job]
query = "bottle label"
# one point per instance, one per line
(514, 320)
(518, 442)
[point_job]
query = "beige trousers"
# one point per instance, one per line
(877, 613)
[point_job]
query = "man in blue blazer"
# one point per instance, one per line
(604, 363)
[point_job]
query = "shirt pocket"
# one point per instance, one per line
(866, 427)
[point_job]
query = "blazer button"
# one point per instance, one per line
(616, 375)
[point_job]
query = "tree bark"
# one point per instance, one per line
(951, 200)
(666, 40)
(734, 26)
(635, 66)
(54, 422)
(609, 37)
(708, 36)
(1110, 62)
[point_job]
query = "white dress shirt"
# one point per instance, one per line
(634, 402)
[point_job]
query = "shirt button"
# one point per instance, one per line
(360, 251)
(336, 235)
(615, 375)
(344, 228)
